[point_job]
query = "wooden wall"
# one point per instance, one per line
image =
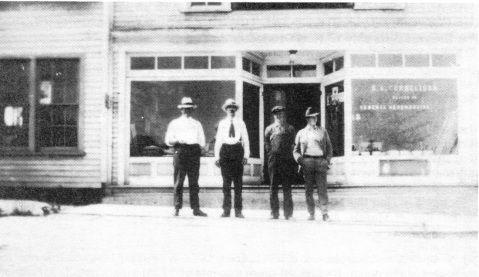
(33, 29)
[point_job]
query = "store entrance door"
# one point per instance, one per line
(296, 98)
(335, 116)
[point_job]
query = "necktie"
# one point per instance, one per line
(232, 130)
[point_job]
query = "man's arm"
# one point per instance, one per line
(329, 146)
(267, 139)
(170, 136)
(244, 136)
(218, 141)
(297, 149)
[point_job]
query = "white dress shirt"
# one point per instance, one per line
(185, 130)
(241, 135)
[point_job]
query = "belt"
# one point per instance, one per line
(313, 157)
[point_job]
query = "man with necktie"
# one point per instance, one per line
(231, 154)
(313, 152)
(279, 142)
(187, 137)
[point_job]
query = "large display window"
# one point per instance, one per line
(411, 116)
(154, 105)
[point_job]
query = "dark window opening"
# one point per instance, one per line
(142, 63)
(196, 62)
(223, 62)
(289, 5)
(169, 62)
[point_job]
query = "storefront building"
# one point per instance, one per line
(395, 83)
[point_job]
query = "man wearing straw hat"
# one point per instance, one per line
(279, 142)
(231, 154)
(186, 135)
(313, 152)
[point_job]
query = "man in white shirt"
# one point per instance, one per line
(231, 154)
(313, 152)
(186, 135)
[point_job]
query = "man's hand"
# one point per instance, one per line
(301, 161)
(245, 161)
(217, 163)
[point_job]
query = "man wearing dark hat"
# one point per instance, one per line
(186, 135)
(313, 152)
(279, 142)
(232, 153)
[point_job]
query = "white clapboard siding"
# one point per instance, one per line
(60, 30)
(146, 15)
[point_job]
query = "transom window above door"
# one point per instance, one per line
(186, 62)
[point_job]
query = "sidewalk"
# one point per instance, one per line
(342, 220)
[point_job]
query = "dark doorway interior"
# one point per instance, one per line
(296, 98)
(335, 116)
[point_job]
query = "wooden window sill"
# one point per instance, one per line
(49, 153)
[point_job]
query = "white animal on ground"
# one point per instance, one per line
(26, 208)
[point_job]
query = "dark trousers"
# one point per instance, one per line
(186, 162)
(231, 163)
(314, 170)
(281, 172)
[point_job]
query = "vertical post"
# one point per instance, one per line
(32, 102)
(348, 102)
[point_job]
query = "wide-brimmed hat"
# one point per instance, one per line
(277, 109)
(187, 103)
(310, 112)
(230, 103)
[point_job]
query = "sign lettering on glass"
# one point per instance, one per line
(406, 115)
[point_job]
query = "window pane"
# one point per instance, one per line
(339, 63)
(14, 103)
(389, 60)
(142, 63)
(196, 62)
(328, 67)
(304, 70)
(443, 60)
(256, 69)
(223, 62)
(169, 62)
(57, 102)
(154, 105)
(246, 65)
(278, 71)
(417, 60)
(251, 116)
(360, 60)
(405, 115)
(198, 4)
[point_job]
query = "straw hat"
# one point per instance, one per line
(230, 103)
(187, 103)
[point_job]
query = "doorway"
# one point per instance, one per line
(296, 98)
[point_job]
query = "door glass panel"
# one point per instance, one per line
(251, 116)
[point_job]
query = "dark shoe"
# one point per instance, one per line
(198, 212)
(274, 216)
(177, 212)
(311, 217)
(238, 214)
(325, 217)
(287, 217)
(225, 214)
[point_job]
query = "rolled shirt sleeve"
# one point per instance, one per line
(245, 138)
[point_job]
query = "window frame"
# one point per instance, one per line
(222, 7)
(33, 149)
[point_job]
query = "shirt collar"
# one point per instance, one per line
(309, 127)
